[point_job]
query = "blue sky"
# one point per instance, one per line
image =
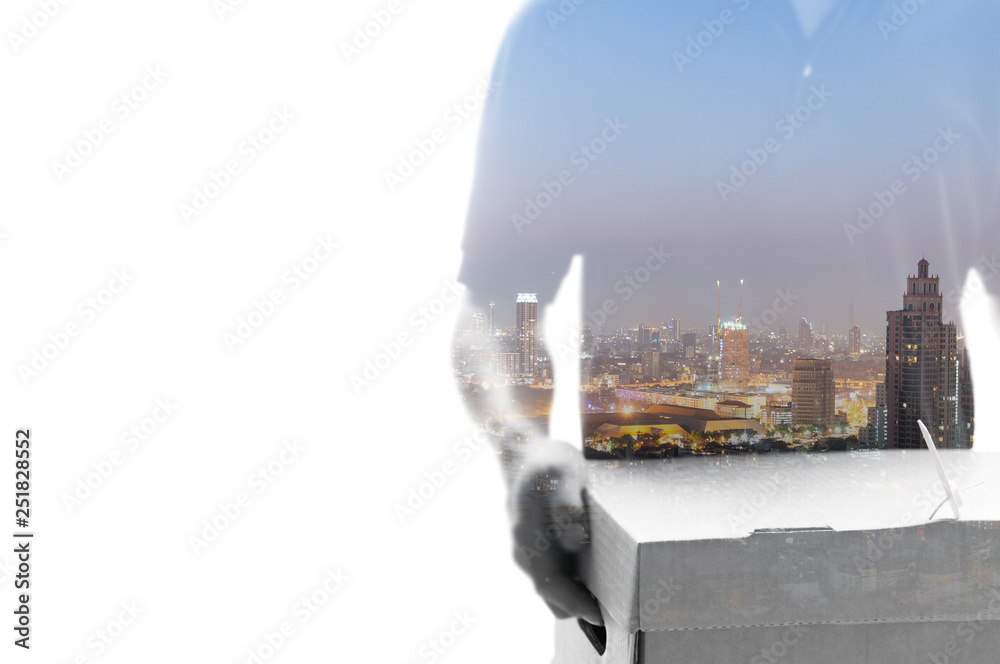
(831, 123)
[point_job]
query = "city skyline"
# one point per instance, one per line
(872, 385)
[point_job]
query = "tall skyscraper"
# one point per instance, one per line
(854, 341)
(491, 326)
(805, 335)
(922, 368)
(966, 411)
(674, 333)
(734, 354)
(813, 393)
(526, 328)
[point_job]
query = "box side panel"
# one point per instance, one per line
(610, 567)
(970, 642)
(946, 571)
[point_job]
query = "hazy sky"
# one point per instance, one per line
(741, 147)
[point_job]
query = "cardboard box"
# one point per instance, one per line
(789, 558)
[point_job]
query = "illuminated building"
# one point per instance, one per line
(854, 341)
(805, 335)
(813, 392)
(526, 328)
(734, 354)
(966, 413)
(922, 368)
(674, 333)
(876, 431)
(651, 364)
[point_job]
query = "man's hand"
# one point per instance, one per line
(550, 532)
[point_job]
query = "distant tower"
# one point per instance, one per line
(734, 354)
(491, 328)
(526, 323)
(675, 329)
(966, 415)
(854, 341)
(922, 369)
(805, 335)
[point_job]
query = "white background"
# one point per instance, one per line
(162, 337)
(332, 508)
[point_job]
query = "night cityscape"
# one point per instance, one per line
(734, 385)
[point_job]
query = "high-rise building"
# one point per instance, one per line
(805, 335)
(966, 411)
(651, 364)
(734, 357)
(491, 326)
(508, 364)
(876, 431)
(526, 329)
(674, 333)
(690, 342)
(813, 393)
(922, 368)
(854, 341)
